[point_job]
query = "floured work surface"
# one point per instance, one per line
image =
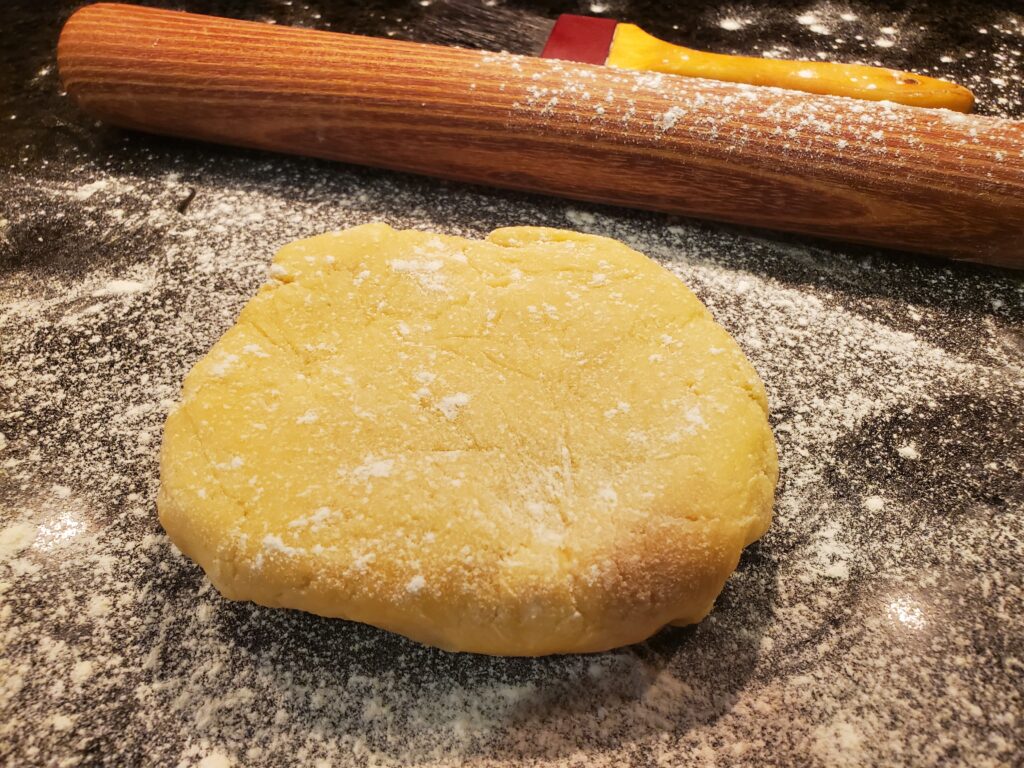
(879, 620)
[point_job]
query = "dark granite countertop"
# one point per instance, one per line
(879, 622)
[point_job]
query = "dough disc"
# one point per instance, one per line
(537, 443)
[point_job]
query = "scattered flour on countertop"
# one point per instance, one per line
(909, 451)
(86, 191)
(122, 287)
(810, 638)
(732, 23)
(15, 538)
(216, 759)
(874, 503)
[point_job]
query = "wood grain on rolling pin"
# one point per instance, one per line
(899, 177)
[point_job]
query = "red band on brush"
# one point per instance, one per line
(580, 38)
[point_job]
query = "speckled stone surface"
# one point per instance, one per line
(879, 622)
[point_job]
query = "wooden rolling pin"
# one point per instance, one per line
(886, 175)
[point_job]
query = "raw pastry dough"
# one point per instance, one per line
(538, 443)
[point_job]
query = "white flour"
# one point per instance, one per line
(877, 623)
(239, 685)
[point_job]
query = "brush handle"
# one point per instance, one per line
(633, 48)
(886, 175)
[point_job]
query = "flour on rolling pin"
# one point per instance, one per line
(875, 128)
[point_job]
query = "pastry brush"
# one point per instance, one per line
(597, 40)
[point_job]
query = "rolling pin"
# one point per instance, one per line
(886, 175)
